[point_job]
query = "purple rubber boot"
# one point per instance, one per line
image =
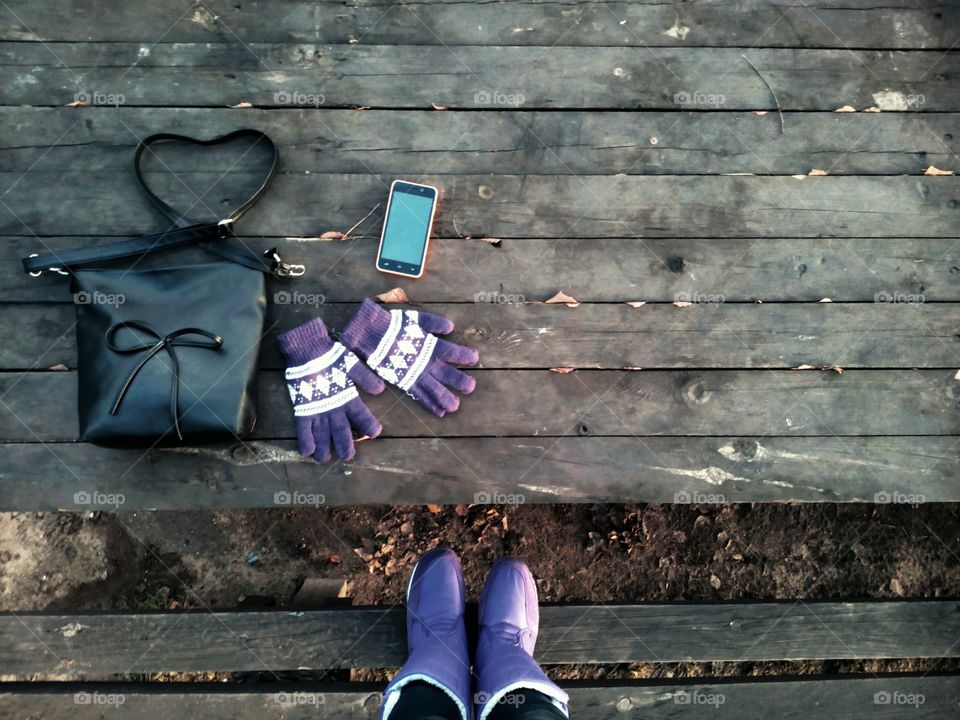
(436, 635)
(509, 621)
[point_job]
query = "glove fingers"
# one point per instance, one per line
(434, 323)
(451, 376)
(305, 439)
(438, 393)
(425, 401)
(366, 378)
(321, 436)
(342, 435)
(456, 354)
(362, 419)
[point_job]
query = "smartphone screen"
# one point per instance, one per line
(406, 228)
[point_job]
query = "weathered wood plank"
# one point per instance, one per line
(543, 404)
(705, 335)
(47, 203)
(506, 77)
(885, 697)
(781, 23)
(110, 643)
(461, 470)
(589, 269)
(524, 143)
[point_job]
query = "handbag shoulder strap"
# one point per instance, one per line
(208, 235)
(179, 219)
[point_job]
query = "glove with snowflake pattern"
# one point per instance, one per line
(400, 346)
(322, 376)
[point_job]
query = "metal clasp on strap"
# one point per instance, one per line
(281, 268)
(38, 273)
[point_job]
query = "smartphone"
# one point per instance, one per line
(406, 228)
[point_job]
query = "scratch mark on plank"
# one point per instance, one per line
(712, 474)
(255, 454)
(763, 453)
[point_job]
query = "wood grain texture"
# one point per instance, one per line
(884, 469)
(375, 636)
(521, 142)
(606, 270)
(611, 336)
(544, 404)
(827, 698)
(781, 23)
(690, 198)
(505, 206)
(504, 77)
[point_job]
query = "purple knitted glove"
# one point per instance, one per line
(400, 347)
(320, 377)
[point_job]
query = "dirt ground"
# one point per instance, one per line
(154, 560)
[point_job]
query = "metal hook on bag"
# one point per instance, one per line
(284, 269)
(38, 273)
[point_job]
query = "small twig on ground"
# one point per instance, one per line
(457, 231)
(360, 221)
(770, 88)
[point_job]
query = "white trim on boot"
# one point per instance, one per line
(557, 696)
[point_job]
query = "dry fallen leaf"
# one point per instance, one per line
(683, 303)
(71, 629)
(241, 105)
(496, 242)
(438, 107)
(836, 368)
(562, 371)
(636, 303)
(59, 367)
(818, 173)
(362, 107)
(562, 298)
(937, 171)
(333, 235)
(434, 509)
(824, 300)
(761, 113)
(397, 295)
(78, 103)
(846, 108)
(872, 109)
(799, 177)
(957, 375)
(335, 559)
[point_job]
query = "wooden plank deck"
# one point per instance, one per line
(620, 152)
(103, 644)
(376, 636)
(830, 699)
(909, 24)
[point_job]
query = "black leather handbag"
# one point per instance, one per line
(169, 355)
